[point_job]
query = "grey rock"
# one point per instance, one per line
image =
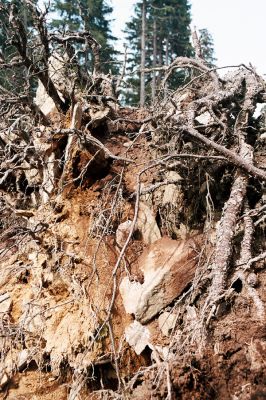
(168, 267)
(137, 336)
(167, 322)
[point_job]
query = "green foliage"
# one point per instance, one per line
(207, 47)
(92, 15)
(172, 40)
(12, 79)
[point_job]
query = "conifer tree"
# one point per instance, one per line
(167, 36)
(207, 47)
(7, 51)
(92, 15)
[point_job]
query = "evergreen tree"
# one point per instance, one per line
(167, 36)
(207, 47)
(89, 15)
(9, 78)
(133, 34)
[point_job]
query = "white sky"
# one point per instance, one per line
(238, 28)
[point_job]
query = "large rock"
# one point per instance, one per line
(146, 224)
(168, 267)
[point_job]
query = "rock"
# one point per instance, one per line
(65, 333)
(168, 267)
(191, 314)
(167, 322)
(252, 279)
(32, 175)
(204, 119)
(255, 355)
(22, 359)
(123, 232)
(130, 292)
(137, 336)
(147, 225)
(172, 192)
(5, 303)
(4, 379)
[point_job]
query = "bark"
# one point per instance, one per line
(225, 234)
(243, 163)
(233, 207)
(154, 63)
(143, 55)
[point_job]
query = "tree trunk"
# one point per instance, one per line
(167, 51)
(154, 59)
(143, 55)
(166, 61)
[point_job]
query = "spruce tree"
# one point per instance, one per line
(8, 79)
(92, 15)
(207, 47)
(133, 35)
(167, 36)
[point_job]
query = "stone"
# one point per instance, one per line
(204, 119)
(122, 232)
(32, 321)
(252, 279)
(147, 225)
(5, 303)
(22, 359)
(48, 178)
(137, 336)
(130, 292)
(4, 379)
(172, 192)
(168, 267)
(43, 100)
(167, 322)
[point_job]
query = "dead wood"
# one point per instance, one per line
(93, 194)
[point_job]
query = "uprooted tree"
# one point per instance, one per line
(132, 258)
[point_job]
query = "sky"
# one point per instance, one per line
(238, 28)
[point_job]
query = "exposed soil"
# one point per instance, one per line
(132, 240)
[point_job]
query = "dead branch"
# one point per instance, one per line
(235, 159)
